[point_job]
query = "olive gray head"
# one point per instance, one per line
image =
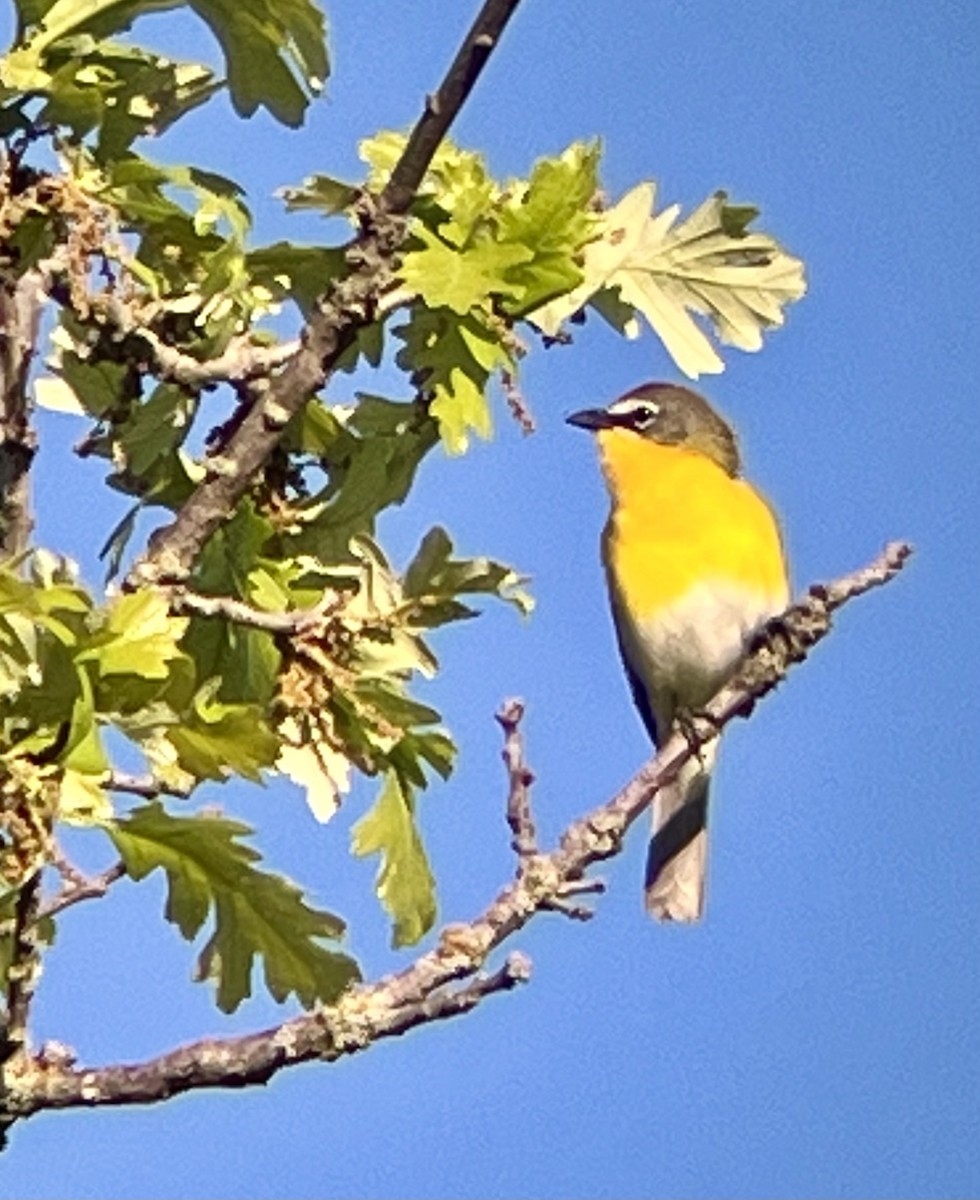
(671, 415)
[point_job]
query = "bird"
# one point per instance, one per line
(695, 566)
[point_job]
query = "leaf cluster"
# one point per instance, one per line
(294, 647)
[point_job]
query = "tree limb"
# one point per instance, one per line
(348, 305)
(242, 359)
(427, 990)
(21, 299)
(442, 106)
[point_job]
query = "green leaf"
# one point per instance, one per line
(99, 386)
(123, 92)
(233, 551)
(552, 216)
(461, 279)
(391, 704)
(215, 739)
(140, 637)
(321, 194)
(405, 884)
(456, 181)
(155, 428)
(453, 356)
(82, 800)
(709, 266)
(245, 660)
(370, 452)
(192, 227)
(298, 273)
(84, 751)
(275, 51)
(434, 578)
(256, 913)
(114, 547)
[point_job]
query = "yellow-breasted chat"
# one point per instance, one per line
(695, 565)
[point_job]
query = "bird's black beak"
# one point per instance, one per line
(592, 418)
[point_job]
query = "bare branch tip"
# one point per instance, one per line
(574, 912)
(510, 714)
(898, 553)
(518, 966)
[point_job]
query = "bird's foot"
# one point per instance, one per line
(697, 727)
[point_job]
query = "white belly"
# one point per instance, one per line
(694, 644)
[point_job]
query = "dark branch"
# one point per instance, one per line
(441, 107)
(22, 972)
(425, 991)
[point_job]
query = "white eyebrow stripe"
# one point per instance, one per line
(634, 404)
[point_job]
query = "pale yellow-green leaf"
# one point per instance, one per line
(405, 884)
(82, 799)
(164, 762)
(141, 637)
(266, 592)
(57, 396)
(459, 406)
(379, 591)
(740, 282)
(321, 771)
(620, 231)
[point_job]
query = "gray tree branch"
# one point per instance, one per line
(450, 979)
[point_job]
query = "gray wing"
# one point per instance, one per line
(640, 697)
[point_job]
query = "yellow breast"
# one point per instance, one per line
(679, 522)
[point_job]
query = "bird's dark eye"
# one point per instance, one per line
(645, 414)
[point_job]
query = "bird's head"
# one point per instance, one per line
(670, 415)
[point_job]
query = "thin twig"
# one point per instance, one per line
(520, 777)
(147, 786)
(70, 874)
(423, 992)
(517, 403)
(183, 600)
(84, 888)
(240, 361)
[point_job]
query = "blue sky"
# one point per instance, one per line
(819, 1035)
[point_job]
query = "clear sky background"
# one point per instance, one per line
(819, 1034)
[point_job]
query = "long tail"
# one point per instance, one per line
(677, 858)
